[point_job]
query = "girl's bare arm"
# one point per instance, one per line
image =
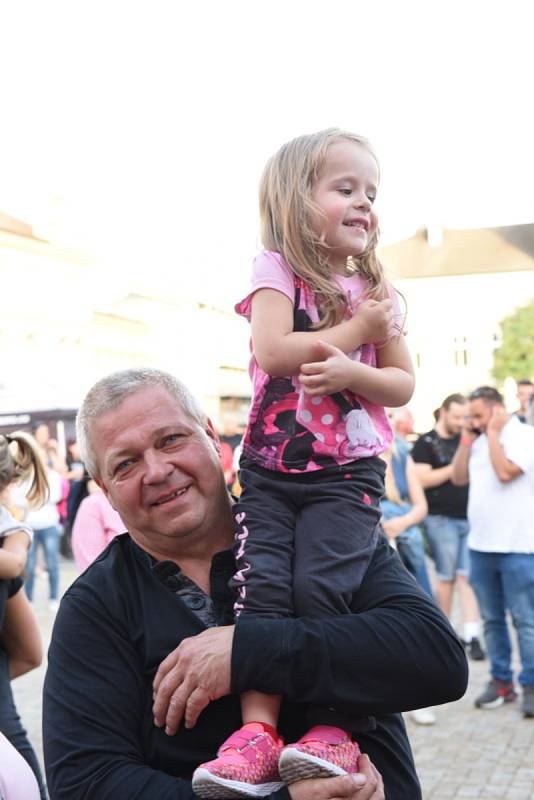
(280, 351)
(13, 555)
(20, 636)
(391, 384)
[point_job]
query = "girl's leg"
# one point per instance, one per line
(336, 535)
(247, 762)
(264, 546)
(260, 707)
(50, 539)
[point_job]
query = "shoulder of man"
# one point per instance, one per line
(423, 443)
(113, 565)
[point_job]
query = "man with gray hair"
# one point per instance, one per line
(145, 637)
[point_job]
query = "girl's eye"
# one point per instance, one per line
(371, 198)
(346, 191)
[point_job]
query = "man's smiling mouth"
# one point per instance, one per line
(171, 496)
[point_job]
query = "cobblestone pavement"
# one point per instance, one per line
(467, 753)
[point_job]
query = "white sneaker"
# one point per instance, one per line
(423, 716)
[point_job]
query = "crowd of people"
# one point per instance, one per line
(267, 644)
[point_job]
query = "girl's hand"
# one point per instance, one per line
(332, 374)
(374, 320)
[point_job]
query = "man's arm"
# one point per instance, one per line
(429, 476)
(92, 713)
(91, 724)
(433, 477)
(20, 636)
(397, 651)
(460, 462)
(505, 469)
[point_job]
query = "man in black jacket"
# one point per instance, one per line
(155, 455)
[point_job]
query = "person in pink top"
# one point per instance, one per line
(17, 781)
(95, 525)
(328, 353)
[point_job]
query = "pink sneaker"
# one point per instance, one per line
(246, 766)
(323, 752)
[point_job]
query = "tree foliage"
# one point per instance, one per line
(515, 356)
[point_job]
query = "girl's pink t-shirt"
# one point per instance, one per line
(288, 430)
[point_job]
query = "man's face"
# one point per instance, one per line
(41, 435)
(479, 414)
(403, 422)
(524, 393)
(160, 470)
(453, 418)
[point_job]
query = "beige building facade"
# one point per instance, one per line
(61, 329)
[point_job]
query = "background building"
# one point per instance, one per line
(67, 320)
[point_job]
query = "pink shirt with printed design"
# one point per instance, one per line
(288, 430)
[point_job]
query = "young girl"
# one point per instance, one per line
(327, 356)
(19, 462)
(20, 643)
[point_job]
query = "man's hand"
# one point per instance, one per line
(497, 420)
(366, 784)
(393, 527)
(193, 675)
(468, 435)
(333, 373)
(374, 320)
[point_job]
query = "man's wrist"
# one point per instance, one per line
(466, 441)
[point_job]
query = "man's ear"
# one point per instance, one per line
(102, 486)
(213, 435)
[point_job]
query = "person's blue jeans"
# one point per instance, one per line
(505, 582)
(48, 539)
(411, 549)
(447, 537)
(410, 545)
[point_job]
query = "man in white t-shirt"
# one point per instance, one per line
(496, 458)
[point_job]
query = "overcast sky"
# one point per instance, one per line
(139, 129)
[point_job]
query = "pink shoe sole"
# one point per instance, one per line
(210, 786)
(294, 765)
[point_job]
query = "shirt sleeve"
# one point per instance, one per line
(422, 451)
(91, 730)
(9, 525)
(396, 652)
(518, 445)
(269, 271)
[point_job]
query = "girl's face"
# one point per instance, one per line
(345, 193)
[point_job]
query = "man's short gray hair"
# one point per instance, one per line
(109, 392)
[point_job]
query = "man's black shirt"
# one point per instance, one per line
(126, 613)
(446, 499)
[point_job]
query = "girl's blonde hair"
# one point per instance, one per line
(287, 213)
(20, 460)
(391, 490)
